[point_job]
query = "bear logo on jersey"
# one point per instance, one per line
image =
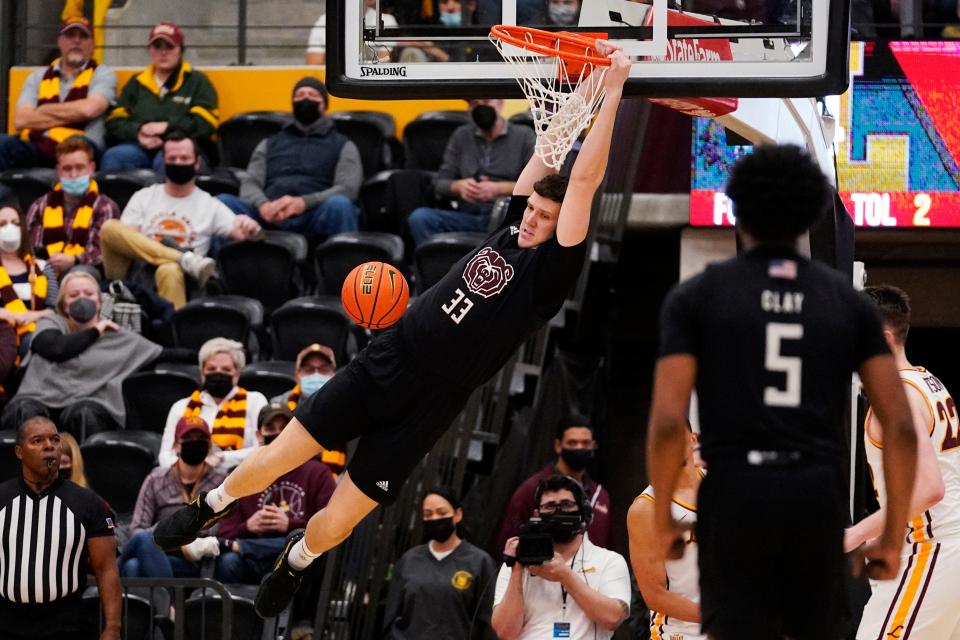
(487, 273)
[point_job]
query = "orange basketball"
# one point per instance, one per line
(375, 295)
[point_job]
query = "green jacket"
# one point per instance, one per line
(188, 103)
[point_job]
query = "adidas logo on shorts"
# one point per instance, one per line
(383, 484)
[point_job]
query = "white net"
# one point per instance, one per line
(563, 96)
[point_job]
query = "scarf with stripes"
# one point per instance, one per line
(55, 236)
(46, 140)
(230, 423)
(294, 398)
(13, 304)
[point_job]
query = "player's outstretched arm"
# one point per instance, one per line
(889, 402)
(591, 163)
(646, 559)
(673, 382)
(928, 488)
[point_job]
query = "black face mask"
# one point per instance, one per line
(438, 530)
(306, 111)
(217, 384)
(180, 173)
(268, 439)
(562, 527)
(82, 310)
(484, 116)
(193, 452)
(577, 459)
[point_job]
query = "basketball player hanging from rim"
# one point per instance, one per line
(770, 339)
(406, 387)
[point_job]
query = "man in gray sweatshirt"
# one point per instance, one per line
(305, 178)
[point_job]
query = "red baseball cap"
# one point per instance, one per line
(191, 423)
(76, 22)
(166, 31)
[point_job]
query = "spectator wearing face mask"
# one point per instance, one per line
(254, 533)
(64, 224)
(315, 365)
(77, 363)
(231, 410)
(563, 13)
(482, 162)
(575, 449)
(442, 588)
(28, 286)
(306, 178)
(167, 488)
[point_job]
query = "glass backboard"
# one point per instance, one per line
(680, 48)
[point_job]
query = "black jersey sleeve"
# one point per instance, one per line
(678, 321)
(518, 204)
(870, 340)
(95, 513)
(557, 270)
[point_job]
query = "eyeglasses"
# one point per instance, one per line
(560, 505)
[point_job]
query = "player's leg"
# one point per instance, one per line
(292, 448)
(326, 529)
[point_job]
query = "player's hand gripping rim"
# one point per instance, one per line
(880, 560)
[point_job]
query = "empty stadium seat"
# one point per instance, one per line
(240, 134)
(433, 259)
(269, 383)
(29, 184)
(149, 439)
(259, 270)
(136, 621)
(369, 131)
(115, 469)
(9, 465)
(221, 181)
(525, 119)
(188, 369)
(148, 396)
(296, 243)
(338, 256)
(120, 185)
(425, 138)
(387, 198)
(203, 615)
(303, 321)
(202, 319)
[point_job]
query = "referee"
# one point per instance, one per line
(770, 340)
(51, 530)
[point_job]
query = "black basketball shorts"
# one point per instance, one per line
(771, 557)
(389, 400)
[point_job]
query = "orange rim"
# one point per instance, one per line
(549, 43)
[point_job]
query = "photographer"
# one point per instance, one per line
(582, 592)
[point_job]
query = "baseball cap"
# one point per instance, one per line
(187, 424)
(166, 31)
(271, 411)
(322, 349)
(76, 22)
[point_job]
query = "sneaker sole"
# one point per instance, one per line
(259, 605)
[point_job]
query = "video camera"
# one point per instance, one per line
(535, 543)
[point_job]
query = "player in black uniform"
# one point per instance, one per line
(402, 392)
(769, 339)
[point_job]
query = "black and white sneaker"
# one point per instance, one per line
(279, 586)
(182, 526)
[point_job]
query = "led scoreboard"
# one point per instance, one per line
(897, 144)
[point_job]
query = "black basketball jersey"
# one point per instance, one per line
(468, 324)
(776, 338)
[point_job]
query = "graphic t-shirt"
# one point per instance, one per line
(190, 221)
(468, 324)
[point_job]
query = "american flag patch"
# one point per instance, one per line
(783, 269)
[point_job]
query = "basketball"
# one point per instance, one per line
(375, 295)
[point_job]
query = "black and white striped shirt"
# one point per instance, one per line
(43, 539)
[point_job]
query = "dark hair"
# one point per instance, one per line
(24, 249)
(444, 492)
(560, 482)
(778, 192)
(894, 305)
(178, 136)
(71, 145)
(22, 427)
(570, 421)
(552, 187)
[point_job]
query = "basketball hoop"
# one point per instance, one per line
(561, 74)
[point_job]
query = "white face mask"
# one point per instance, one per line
(9, 237)
(565, 14)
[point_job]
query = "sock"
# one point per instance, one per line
(300, 556)
(219, 499)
